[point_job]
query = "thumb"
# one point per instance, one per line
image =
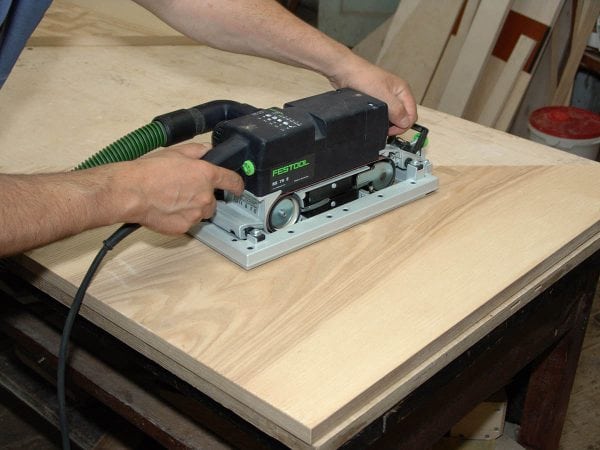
(399, 117)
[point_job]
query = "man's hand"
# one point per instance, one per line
(376, 82)
(167, 191)
(172, 189)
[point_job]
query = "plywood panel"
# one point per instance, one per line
(590, 9)
(349, 21)
(515, 26)
(276, 343)
(544, 11)
(370, 46)
(400, 18)
(506, 81)
(490, 76)
(109, 22)
(446, 64)
(526, 18)
(412, 49)
(200, 68)
(512, 103)
(285, 346)
(473, 55)
(533, 19)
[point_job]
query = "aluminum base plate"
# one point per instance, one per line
(249, 254)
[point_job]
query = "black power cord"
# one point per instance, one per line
(110, 243)
(175, 127)
(227, 154)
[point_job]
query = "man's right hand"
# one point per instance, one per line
(172, 189)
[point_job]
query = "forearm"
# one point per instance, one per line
(167, 191)
(264, 28)
(257, 27)
(38, 209)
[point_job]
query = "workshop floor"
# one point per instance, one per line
(21, 428)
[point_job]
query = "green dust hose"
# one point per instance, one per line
(131, 146)
(168, 129)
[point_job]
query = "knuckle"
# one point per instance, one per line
(205, 199)
(209, 208)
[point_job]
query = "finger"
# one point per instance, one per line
(198, 213)
(400, 116)
(410, 105)
(404, 115)
(227, 180)
(394, 130)
(208, 210)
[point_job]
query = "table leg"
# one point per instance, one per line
(550, 382)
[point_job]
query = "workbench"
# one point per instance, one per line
(359, 339)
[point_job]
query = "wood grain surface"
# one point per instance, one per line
(319, 342)
(105, 23)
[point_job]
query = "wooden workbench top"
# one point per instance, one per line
(310, 346)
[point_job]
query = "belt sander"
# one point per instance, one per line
(311, 169)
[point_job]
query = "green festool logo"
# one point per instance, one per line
(290, 167)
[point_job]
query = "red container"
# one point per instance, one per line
(567, 128)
